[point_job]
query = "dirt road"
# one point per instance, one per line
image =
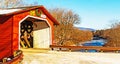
(54, 57)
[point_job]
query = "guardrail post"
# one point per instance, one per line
(101, 51)
(70, 50)
(117, 51)
(60, 49)
(86, 50)
(52, 49)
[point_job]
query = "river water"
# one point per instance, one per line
(95, 42)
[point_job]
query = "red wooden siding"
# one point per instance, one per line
(16, 19)
(6, 37)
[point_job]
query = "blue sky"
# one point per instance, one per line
(96, 14)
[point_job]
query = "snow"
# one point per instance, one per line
(55, 57)
(6, 11)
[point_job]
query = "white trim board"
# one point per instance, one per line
(38, 19)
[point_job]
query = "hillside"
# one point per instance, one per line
(83, 28)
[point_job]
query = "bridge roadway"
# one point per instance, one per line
(36, 56)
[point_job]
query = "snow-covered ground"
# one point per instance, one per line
(55, 57)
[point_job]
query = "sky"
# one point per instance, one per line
(96, 14)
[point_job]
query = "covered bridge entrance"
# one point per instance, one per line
(35, 33)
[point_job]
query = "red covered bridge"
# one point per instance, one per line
(26, 27)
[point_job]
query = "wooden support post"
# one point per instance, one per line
(25, 38)
(22, 44)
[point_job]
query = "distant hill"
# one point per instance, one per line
(83, 28)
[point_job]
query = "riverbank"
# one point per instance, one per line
(55, 57)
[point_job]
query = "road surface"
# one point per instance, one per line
(57, 57)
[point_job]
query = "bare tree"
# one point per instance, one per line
(66, 19)
(11, 3)
(65, 16)
(112, 35)
(66, 33)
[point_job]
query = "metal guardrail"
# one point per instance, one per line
(97, 48)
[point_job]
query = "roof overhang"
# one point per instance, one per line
(19, 10)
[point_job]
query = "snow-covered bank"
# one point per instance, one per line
(54, 57)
